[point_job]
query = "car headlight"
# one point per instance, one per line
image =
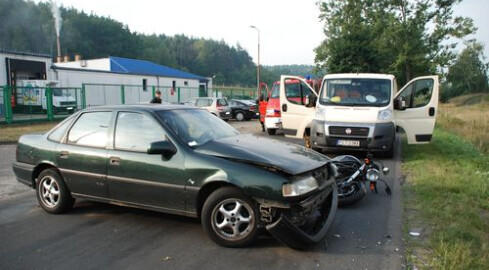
(319, 114)
(299, 187)
(385, 115)
(372, 175)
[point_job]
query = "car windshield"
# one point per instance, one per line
(356, 92)
(61, 92)
(196, 127)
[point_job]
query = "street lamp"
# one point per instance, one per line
(258, 66)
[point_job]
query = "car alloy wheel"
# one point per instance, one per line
(232, 219)
(49, 191)
(52, 193)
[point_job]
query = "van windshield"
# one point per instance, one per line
(356, 92)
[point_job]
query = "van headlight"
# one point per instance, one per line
(319, 113)
(299, 187)
(385, 115)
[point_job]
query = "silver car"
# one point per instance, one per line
(217, 106)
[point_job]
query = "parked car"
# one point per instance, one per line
(217, 106)
(253, 106)
(241, 111)
(181, 160)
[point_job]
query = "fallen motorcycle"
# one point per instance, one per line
(353, 174)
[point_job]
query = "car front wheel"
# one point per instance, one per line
(240, 116)
(52, 193)
(230, 218)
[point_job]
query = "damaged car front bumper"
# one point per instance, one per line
(307, 222)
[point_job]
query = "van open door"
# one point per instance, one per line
(415, 108)
(293, 96)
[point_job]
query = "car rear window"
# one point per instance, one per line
(204, 102)
(222, 102)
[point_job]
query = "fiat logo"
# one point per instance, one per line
(348, 131)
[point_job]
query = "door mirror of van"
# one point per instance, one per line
(310, 101)
(400, 104)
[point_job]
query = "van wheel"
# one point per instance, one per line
(271, 131)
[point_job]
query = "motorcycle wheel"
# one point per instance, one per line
(351, 194)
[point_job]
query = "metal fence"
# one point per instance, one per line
(230, 92)
(31, 104)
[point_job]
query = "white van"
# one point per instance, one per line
(360, 112)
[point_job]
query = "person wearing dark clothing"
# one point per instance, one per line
(157, 98)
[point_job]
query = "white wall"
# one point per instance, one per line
(100, 95)
(3, 72)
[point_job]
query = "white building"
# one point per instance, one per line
(111, 80)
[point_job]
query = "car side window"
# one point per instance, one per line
(422, 93)
(203, 102)
(60, 130)
(136, 131)
(407, 94)
(90, 129)
(222, 102)
(297, 92)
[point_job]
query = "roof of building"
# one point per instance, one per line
(143, 67)
(43, 55)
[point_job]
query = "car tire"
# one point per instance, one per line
(230, 218)
(240, 116)
(52, 193)
(271, 131)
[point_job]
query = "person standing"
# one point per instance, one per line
(157, 98)
(262, 108)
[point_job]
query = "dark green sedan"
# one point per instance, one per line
(185, 161)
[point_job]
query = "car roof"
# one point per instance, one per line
(143, 107)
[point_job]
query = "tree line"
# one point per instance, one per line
(27, 26)
(402, 37)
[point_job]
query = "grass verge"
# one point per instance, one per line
(11, 133)
(447, 198)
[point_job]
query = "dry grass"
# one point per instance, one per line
(11, 133)
(468, 117)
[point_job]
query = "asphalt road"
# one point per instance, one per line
(100, 236)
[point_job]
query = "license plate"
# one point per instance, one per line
(69, 108)
(348, 143)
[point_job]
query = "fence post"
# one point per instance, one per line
(49, 103)
(7, 103)
(123, 97)
(154, 91)
(83, 99)
(178, 93)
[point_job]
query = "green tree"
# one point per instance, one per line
(468, 74)
(406, 38)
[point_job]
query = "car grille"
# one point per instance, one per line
(349, 131)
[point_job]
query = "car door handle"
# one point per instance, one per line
(284, 107)
(116, 161)
(64, 154)
(432, 111)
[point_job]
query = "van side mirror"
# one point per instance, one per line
(400, 104)
(164, 148)
(310, 101)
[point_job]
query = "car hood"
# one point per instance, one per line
(287, 157)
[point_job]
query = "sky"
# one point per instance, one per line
(289, 29)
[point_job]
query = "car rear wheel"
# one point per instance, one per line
(240, 116)
(52, 193)
(230, 218)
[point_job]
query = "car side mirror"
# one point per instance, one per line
(310, 101)
(400, 104)
(164, 148)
